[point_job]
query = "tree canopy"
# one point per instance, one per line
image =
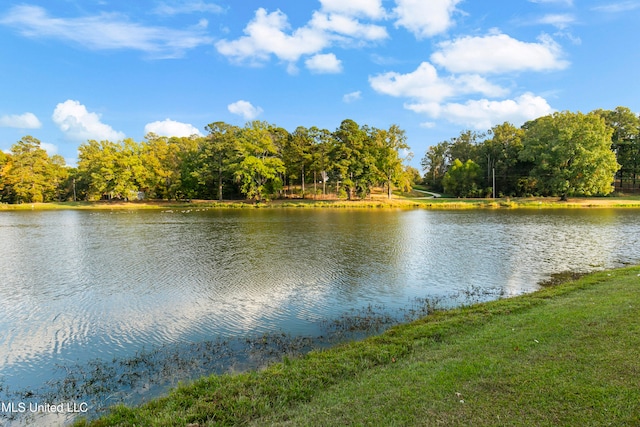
(561, 154)
(625, 142)
(460, 179)
(571, 153)
(257, 161)
(30, 175)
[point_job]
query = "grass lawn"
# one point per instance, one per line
(565, 355)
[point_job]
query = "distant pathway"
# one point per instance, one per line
(431, 194)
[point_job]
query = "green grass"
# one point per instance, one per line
(565, 355)
(89, 206)
(240, 204)
(531, 203)
(400, 200)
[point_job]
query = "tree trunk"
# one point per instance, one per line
(220, 179)
(351, 186)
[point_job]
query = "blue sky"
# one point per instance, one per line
(73, 70)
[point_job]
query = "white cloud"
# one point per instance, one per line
(384, 60)
(351, 97)
(170, 127)
(194, 6)
(623, 6)
(499, 53)
(427, 125)
(292, 69)
(324, 64)
(560, 20)
(51, 149)
(346, 25)
(21, 121)
(483, 114)
(244, 109)
(202, 23)
(425, 18)
(265, 36)
(79, 124)
(368, 8)
(425, 85)
(560, 2)
(106, 31)
(270, 34)
(435, 96)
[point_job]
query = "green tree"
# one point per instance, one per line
(110, 169)
(97, 168)
(353, 156)
(413, 175)
(132, 176)
(461, 179)
(465, 146)
(69, 186)
(390, 146)
(297, 155)
(321, 140)
(625, 142)
(217, 156)
(4, 191)
(30, 175)
(435, 164)
(259, 164)
(502, 153)
(57, 175)
(439, 158)
(280, 137)
(4, 158)
(189, 161)
(161, 158)
(571, 153)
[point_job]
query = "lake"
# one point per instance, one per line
(84, 287)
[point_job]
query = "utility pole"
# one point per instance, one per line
(494, 182)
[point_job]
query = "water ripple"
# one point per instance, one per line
(83, 285)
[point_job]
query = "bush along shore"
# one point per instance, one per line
(564, 355)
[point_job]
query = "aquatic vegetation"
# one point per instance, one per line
(152, 372)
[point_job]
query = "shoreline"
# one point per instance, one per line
(454, 367)
(395, 203)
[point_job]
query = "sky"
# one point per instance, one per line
(75, 70)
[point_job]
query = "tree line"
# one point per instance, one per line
(562, 154)
(256, 161)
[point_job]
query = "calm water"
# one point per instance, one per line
(78, 286)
